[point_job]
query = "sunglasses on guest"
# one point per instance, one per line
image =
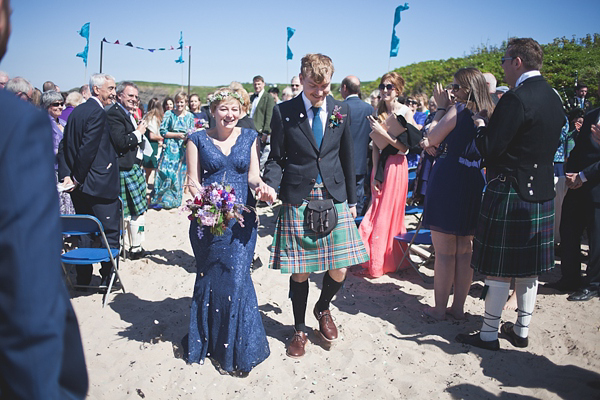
(409, 102)
(453, 86)
(389, 87)
(506, 59)
(292, 85)
(57, 104)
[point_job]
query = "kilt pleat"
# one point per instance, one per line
(513, 237)
(133, 191)
(297, 249)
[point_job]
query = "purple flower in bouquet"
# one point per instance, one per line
(214, 206)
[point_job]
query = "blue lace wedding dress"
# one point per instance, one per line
(225, 323)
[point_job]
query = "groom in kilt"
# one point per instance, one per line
(514, 236)
(310, 160)
(127, 137)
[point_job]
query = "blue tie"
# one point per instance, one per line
(317, 128)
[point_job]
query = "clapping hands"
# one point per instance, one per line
(265, 193)
(443, 97)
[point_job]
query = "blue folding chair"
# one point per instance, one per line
(79, 225)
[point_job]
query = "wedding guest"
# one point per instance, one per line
(85, 92)
(73, 100)
(168, 104)
(127, 138)
(274, 92)
(514, 235)
(296, 86)
(453, 197)
(88, 161)
(49, 85)
(171, 172)
(287, 94)
(384, 219)
(40, 344)
(225, 322)
(195, 104)
(20, 87)
(374, 98)
(311, 163)
(4, 78)
(53, 104)
(153, 119)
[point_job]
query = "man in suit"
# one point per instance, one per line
(88, 160)
(514, 236)
(579, 101)
(581, 209)
(311, 159)
(360, 129)
(261, 114)
(40, 346)
(127, 138)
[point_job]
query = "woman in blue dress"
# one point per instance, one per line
(170, 175)
(225, 323)
(454, 191)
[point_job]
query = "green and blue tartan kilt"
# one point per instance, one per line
(297, 249)
(133, 191)
(513, 237)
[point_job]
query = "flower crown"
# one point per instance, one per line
(219, 96)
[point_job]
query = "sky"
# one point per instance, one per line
(235, 40)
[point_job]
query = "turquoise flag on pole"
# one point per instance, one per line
(180, 59)
(85, 33)
(395, 40)
(290, 33)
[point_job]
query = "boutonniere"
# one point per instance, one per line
(336, 117)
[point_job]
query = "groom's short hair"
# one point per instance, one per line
(316, 67)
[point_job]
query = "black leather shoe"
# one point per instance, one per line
(474, 340)
(584, 294)
(563, 285)
(508, 330)
(137, 255)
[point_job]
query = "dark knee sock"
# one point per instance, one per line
(299, 296)
(330, 288)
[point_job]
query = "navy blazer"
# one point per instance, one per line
(41, 356)
(122, 136)
(360, 129)
(87, 153)
(295, 160)
(585, 156)
(522, 137)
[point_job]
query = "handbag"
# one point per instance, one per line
(321, 216)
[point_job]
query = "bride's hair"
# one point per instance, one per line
(221, 95)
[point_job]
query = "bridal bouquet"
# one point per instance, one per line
(215, 205)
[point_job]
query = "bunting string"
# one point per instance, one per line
(129, 44)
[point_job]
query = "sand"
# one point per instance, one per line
(387, 348)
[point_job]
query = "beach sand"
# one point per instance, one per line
(387, 348)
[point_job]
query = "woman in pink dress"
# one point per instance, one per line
(385, 217)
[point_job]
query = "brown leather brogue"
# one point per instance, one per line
(326, 325)
(297, 344)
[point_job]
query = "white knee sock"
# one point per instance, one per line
(136, 231)
(494, 302)
(526, 289)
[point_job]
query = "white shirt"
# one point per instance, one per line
(310, 114)
(255, 103)
(527, 75)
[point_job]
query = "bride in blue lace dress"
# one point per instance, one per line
(225, 323)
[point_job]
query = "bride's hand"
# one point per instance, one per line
(265, 193)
